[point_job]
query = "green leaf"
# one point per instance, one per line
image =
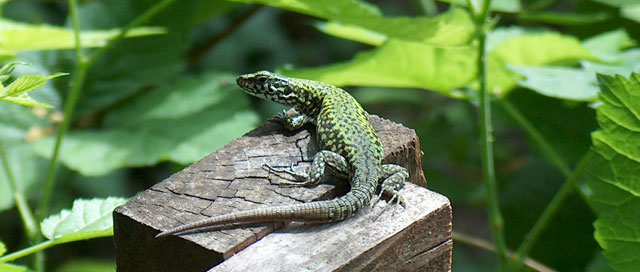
(17, 37)
(615, 171)
(3, 248)
(559, 82)
(530, 49)
(403, 64)
(510, 6)
(630, 62)
(607, 46)
(16, 92)
(7, 267)
(631, 12)
(629, 9)
(133, 65)
(617, 3)
(87, 265)
(399, 63)
(453, 27)
(28, 169)
(563, 18)
(86, 217)
(574, 83)
(181, 122)
(351, 32)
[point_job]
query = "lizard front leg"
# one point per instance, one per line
(292, 123)
(338, 166)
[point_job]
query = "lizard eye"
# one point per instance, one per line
(261, 80)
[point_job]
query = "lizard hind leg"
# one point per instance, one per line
(393, 177)
(338, 165)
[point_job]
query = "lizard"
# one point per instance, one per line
(349, 148)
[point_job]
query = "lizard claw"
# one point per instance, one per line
(279, 117)
(278, 172)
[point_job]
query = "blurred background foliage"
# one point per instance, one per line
(165, 96)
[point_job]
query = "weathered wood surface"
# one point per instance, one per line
(232, 179)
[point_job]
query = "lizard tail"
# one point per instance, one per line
(317, 212)
(322, 211)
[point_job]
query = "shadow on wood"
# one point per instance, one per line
(232, 179)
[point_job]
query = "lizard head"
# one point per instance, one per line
(269, 86)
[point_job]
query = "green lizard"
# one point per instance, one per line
(349, 147)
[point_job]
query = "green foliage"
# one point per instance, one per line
(498, 5)
(407, 65)
(560, 82)
(85, 265)
(17, 37)
(15, 122)
(628, 8)
(166, 94)
(615, 171)
(165, 124)
(451, 28)
(16, 91)
(7, 267)
(87, 218)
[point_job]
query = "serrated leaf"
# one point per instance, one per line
(453, 27)
(7, 267)
(181, 122)
(86, 216)
(27, 83)
(16, 36)
(615, 171)
(16, 92)
(400, 63)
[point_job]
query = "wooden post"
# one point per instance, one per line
(232, 179)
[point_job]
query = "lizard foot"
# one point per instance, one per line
(396, 198)
(300, 178)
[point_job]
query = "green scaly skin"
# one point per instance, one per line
(348, 143)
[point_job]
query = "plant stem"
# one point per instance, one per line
(27, 251)
(199, 51)
(536, 136)
(496, 222)
(82, 66)
(550, 211)
(28, 219)
(73, 9)
(486, 245)
(145, 16)
(49, 243)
